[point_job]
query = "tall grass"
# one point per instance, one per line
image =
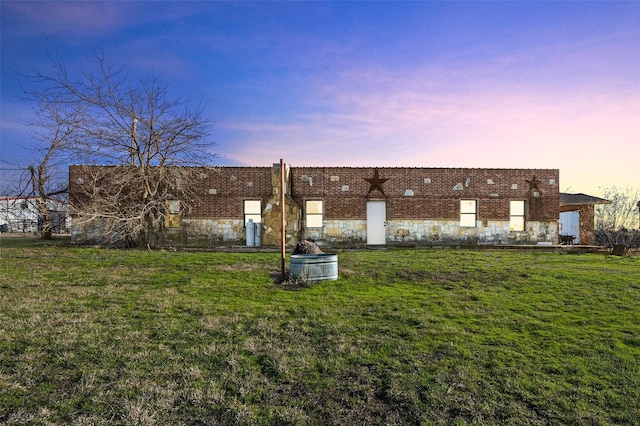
(90, 336)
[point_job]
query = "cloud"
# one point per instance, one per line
(71, 18)
(90, 18)
(426, 119)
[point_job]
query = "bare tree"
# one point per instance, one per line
(111, 204)
(618, 223)
(140, 136)
(53, 128)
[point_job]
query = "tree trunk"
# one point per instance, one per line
(46, 233)
(37, 182)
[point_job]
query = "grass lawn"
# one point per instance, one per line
(91, 336)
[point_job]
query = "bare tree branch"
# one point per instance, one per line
(618, 223)
(104, 116)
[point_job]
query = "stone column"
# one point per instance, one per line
(271, 214)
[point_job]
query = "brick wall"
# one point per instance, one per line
(224, 189)
(434, 193)
(420, 202)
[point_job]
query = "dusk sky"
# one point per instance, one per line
(376, 84)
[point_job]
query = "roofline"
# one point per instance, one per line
(594, 200)
(530, 169)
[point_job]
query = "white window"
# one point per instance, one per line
(314, 213)
(173, 207)
(252, 210)
(468, 213)
(516, 219)
(172, 214)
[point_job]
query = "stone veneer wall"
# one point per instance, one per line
(272, 212)
(431, 232)
(434, 232)
(345, 231)
(213, 232)
(272, 225)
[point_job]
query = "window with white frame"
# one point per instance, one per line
(516, 218)
(172, 214)
(468, 213)
(173, 207)
(314, 213)
(252, 210)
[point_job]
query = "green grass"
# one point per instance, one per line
(91, 336)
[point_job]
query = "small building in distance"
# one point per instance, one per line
(21, 215)
(577, 218)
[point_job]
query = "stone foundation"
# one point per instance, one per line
(436, 232)
(213, 232)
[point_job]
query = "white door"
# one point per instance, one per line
(570, 224)
(376, 222)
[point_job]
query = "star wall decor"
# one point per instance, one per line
(533, 183)
(376, 182)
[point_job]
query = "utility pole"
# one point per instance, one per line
(283, 221)
(134, 143)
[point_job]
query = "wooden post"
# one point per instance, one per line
(283, 221)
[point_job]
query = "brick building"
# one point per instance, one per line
(375, 206)
(577, 217)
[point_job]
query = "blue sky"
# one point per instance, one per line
(385, 84)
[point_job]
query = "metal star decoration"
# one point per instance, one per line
(376, 182)
(533, 183)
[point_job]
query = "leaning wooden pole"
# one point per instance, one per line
(283, 221)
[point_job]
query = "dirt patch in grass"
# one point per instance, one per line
(240, 267)
(446, 277)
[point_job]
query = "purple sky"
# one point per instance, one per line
(424, 84)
